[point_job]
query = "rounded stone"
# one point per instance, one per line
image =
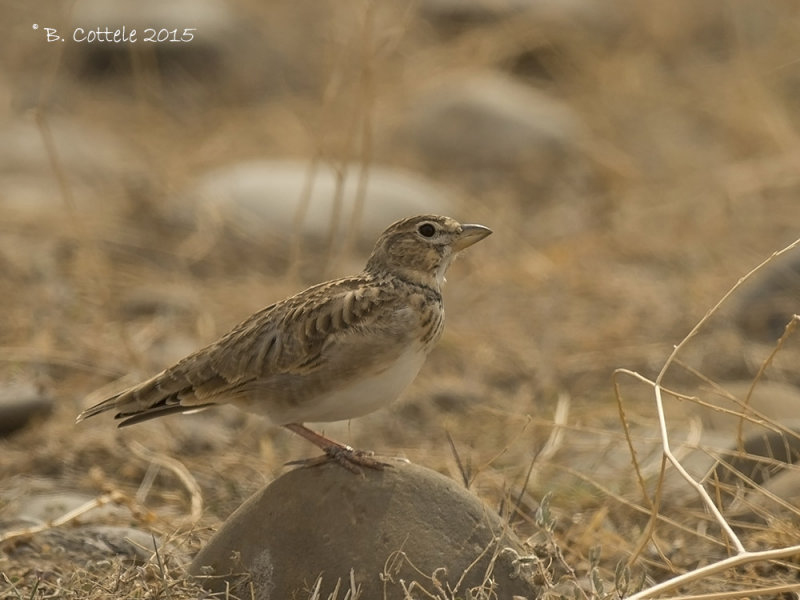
(490, 120)
(773, 400)
(184, 34)
(759, 482)
(764, 454)
(19, 405)
(46, 506)
(768, 303)
(403, 528)
(270, 198)
(85, 152)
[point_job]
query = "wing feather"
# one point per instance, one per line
(292, 337)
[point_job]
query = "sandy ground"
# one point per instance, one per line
(675, 175)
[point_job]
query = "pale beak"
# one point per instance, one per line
(469, 235)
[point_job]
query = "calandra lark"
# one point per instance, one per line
(338, 350)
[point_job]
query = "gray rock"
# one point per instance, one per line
(604, 17)
(490, 120)
(84, 152)
(263, 198)
(19, 405)
(779, 496)
(404, 526)
(42, 505)
(212, 17)
(45, 507)
(472, 9)
(775, 401)
(763, 456)
(103, 541)
(760, 482)
(96, 166)
(204, 60)
(161, 298)
(95, 543)
(210, 22)
(770, 447)
(770, 300)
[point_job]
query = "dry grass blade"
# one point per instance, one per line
(464, 471)
(773, 591)
(742, 556)
(550, 448)
(181, 472)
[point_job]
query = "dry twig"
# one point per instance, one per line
(742, 556)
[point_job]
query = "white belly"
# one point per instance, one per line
(368, 394)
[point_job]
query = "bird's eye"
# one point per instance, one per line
(426, 230)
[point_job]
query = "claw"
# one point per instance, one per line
(350, 459)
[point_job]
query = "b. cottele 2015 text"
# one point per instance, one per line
(106, 35)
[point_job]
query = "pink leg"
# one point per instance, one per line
(345, 455)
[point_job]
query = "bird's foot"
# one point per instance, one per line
(349, 458)
(352, 459)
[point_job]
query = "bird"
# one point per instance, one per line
(335, 351)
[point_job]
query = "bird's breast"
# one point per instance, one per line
(369, 392)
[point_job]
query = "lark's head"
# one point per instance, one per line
(420, 249)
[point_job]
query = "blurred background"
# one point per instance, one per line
(634, 160)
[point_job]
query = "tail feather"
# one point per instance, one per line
(105, 405)
(144, 402)
(158, 411)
